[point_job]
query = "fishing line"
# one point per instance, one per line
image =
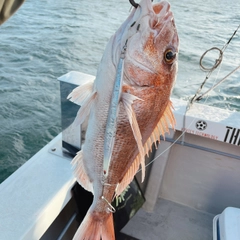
(190, 103)
(212, 68)
(194, 98)
(214, 86)
(181, 135)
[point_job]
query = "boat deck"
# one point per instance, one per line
(169, 221)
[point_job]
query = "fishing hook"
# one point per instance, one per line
(133, 3)
(110, 208)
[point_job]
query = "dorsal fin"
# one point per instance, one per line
(128, 177)
(161, 128)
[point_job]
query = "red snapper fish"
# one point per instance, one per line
(128, 107)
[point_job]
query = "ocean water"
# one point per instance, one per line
(46, 39)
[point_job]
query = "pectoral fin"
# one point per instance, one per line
(128, 100)
(161, 128)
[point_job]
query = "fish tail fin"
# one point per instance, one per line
(95, 228)
(108, 228)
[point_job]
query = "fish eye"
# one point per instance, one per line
(169, 56)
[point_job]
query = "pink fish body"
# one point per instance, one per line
(147, 42)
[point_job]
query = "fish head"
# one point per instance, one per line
(152, 43)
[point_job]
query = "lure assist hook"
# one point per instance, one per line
(134, 4)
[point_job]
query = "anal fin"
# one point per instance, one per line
(80, 172)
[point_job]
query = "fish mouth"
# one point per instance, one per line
(157, 18)
(161, 15)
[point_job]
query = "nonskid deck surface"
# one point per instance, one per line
(170, 221)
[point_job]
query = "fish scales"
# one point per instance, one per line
(149, 72)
